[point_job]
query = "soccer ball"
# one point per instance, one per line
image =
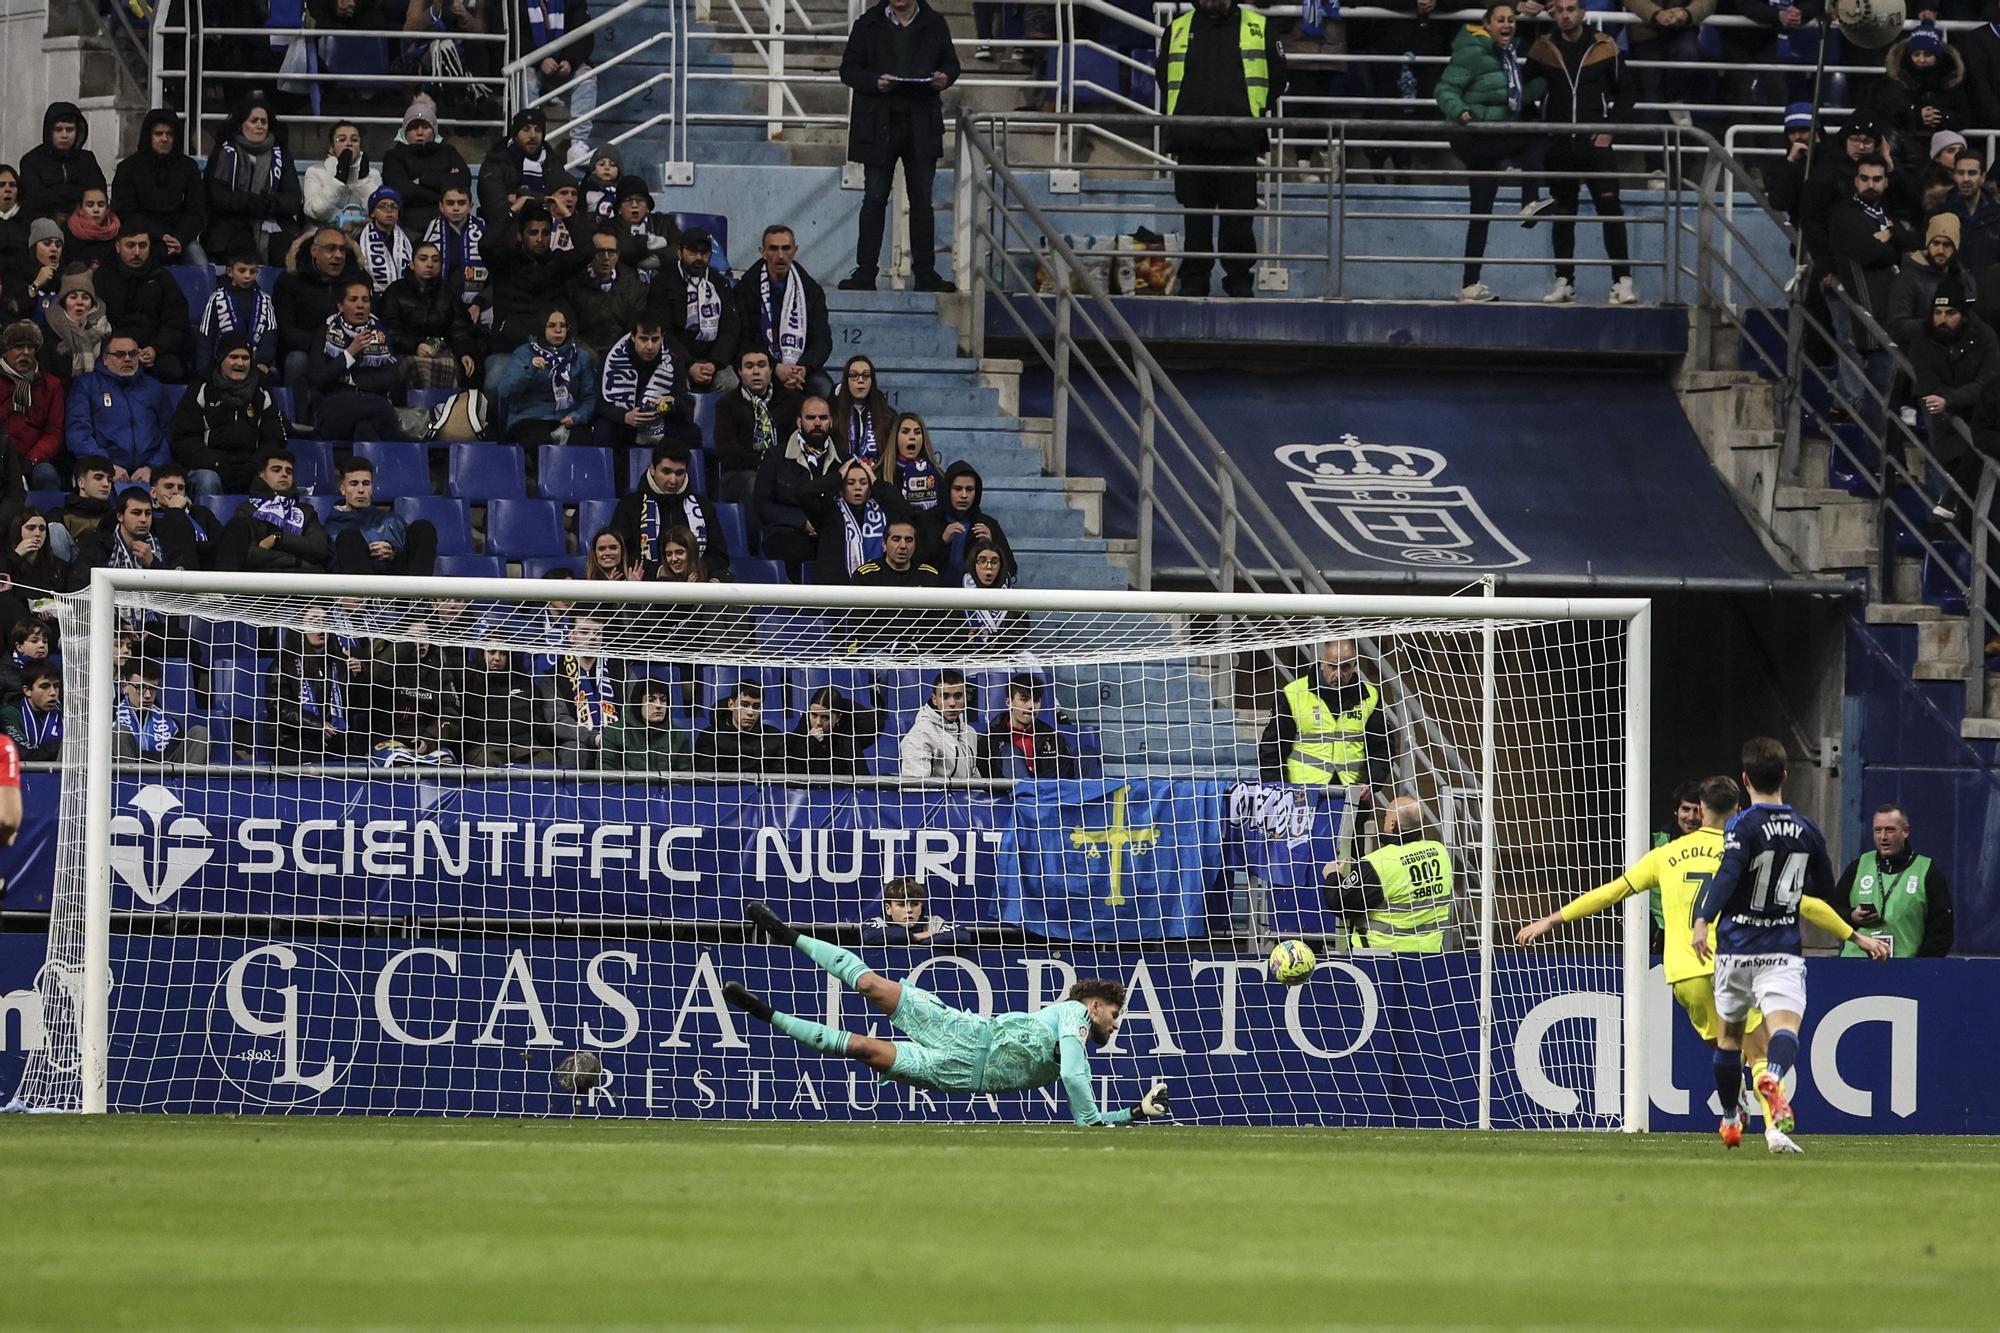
(1292, 962)
(1870, 23)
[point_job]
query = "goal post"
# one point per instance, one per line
(284, 930)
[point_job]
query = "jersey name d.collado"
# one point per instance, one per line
(1772, 856)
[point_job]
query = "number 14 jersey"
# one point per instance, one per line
(1772, 856)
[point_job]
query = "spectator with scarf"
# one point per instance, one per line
(461, 242)
(543, 21)
(145, 731)
(34, 720)
(428, 327)
(783, 313)
(313, 697)
(862, 417)
(31, 406)
(1487, 83)
(160, 191)
(238, 306)
(600, 183)
(139, 296)
(385, 247)
(28, 648)
(546, 387)
(422, 167)
(120, 412)
(748, 425)
(637, 405)
(55, 172)
(912, 466)
(988, 569)
(306, 297)
(958, 521)
(75, 327)
(186, 531)
(698, 310)
(517, 169)
(580, 694)
(356, 375)
(666, 501)
(607, 296)
(339, 186)
(127, 542)
(93, 229)
(789, 480)
(254, 201)
(646, 239)
(273, 529)
(224, 426)
(851, 510)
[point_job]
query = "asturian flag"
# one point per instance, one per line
(1103, 861)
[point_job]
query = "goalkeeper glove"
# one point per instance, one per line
(1155, 1105)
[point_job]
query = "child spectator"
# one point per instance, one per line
(644, 739)
(313, 698)
(76, 327)
(959, 520)
(35, 719)
(30, 648)
(547, 385)
(339, 186)
(904, 918)
(385, 248)
(238, 305)
(600, 183)
(93, 229)
(646, 240)
(461, 242)
(832, 738)
(863, 421)
(55, 173)
(912, 467)
(222, 426)
(253, 193)
(941, 744)
(145, 731)
(356, 375)
(31, 406)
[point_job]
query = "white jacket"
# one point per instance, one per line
(326, 194)
(935, 748)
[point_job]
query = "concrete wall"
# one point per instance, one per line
(36, 69)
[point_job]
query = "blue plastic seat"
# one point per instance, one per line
(574, 472)
(1940, 588)
(47, 499)
(429, 399)
(537, 567)
(223, 506)
(857, 683)
(735, 530)
(480, 472)
(323, 505)
(472, 566)
(268, 275)
(704, 418)
(196, 284)
(315, 474)
(225, 639)
(401, 468)
(450, 516)
(593, 516)
(525, 529)
(281, 398)
(753, 570)
(717, 226)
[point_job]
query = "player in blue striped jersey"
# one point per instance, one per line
(1772, 857)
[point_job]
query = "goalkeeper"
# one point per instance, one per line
(1679, 869)
(951, 1050)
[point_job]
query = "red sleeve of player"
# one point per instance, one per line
(10, 763)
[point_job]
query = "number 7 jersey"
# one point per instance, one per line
(1772, 856)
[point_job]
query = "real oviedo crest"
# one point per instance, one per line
(1384, 502)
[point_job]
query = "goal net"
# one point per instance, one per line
(484, 848)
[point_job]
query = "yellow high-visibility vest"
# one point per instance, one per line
(1331, 747)
(1416, 887)
(1256, 59)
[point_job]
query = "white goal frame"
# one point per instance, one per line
(1634, 612)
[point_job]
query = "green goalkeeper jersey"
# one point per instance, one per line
(1048, 1046)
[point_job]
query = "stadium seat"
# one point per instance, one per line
(223, 506)
(592, 516)
(323, 505)
(752, 570)
(1940, 588)
(450, 517)
(538, 567)
(225, 639)
(574, 472)
(735, 529)
(717, 226)
(805, 682)
(472, 566)
(47, 499)
(315, 474)
(401, 468)
(704, 417)
(195, 282)
(175, 392)
(268, 275)
(525, 529)
(429, 399)
(1852, 460)
(281, 398)
(479, 472)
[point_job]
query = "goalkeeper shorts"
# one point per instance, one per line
(1696, 997)
(947, 1048)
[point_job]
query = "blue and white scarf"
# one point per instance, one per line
(562, 371)
(336, 702)
(39, 728)
(153, 735)
(590, 692)
(282, 513)
(919, 480)
(463, 250)
(621, 384)
(704, 308)
(785, 327)
(546, 19)
(1510, 65)
(984, 622)
(864, 534)
(339, 333)
(1314, 15)
(1876, 213)
(225, 313)
(386, 257)
(861, 430)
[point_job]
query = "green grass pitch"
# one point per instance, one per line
(153, 1222)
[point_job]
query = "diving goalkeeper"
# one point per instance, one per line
(951, 1050)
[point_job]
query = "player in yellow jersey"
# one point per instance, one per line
(1679, 869)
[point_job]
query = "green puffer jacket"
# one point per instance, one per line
(1476, 81)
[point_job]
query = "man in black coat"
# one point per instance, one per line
(528, 276)
(898, 61)
(159, 190)
(518, 169)
(698, 309)
(305, 299)
(1201, 64)
(56, 171)
(1955, 371)
(786, 478)
(141, 299)
(798, 337)
(1865, 245)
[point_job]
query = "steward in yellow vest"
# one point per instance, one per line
(1403, 888)
(1220, 60)
(1327, 727)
